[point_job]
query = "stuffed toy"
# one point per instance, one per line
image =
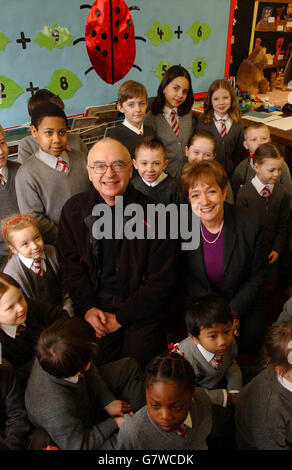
(250, 75)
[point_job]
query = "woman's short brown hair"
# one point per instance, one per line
(210, 168)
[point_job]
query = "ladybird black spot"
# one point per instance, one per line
(115, 39)
(129, 22)
(97, 49)
(97, 13)
(126, 36)
(117, 10)
(104, 53)
(118, 24)
(103, 36)
(93, 33)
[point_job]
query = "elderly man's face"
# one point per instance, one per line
(111, 183)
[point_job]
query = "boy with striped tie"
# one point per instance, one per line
(50, 177)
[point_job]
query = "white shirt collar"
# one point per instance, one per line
(10, 330)
(74, 379)
(259, 186)
(29, 261)
(285, 383)
(207, 354)
(4, 172)
(160, 178)
(133, 128)
(50, 160)
(166, 111)
(218, 118)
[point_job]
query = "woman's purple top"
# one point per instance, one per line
(213, 255)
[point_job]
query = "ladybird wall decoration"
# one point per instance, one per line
(110, 39)
(83, 50)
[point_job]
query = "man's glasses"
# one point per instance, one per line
(117, 167)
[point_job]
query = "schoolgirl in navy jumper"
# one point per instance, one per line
(21, 322)
(170, 116)
(177, 416)
(33, 264)
(269, 198)
(222, 118)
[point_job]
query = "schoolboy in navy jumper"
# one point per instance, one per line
(8, 200)
(150, 161)
(49, 178)
(132, 102)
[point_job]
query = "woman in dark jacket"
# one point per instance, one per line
(231, 257)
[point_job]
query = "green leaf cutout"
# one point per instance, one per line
(199, 31)
(54, 37)
(199, 66)
(161, 69)
(9, 91)
(158, 33)
(3, 41)
(64, 83)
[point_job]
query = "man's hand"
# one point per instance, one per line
(273, 257)
(117, 408)
(111, 322)
(97, 319)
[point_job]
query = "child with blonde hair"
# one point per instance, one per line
(263, 416)
(222, 118)
(33, 264)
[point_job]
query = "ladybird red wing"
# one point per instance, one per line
(110, 39)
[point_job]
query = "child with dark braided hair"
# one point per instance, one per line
(177, 415)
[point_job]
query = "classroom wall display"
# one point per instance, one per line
(83, 52)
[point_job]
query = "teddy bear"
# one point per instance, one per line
(250, 75)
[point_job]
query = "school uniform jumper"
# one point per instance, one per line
(8, 205)
(42, 190)
(263, 414)
(175, 145)
(139, 432)
(47, 288)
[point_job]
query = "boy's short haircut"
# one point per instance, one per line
(131, 89)
(43, 96)
(44, 110)
(206, 311)
(151, 143)
(278, 346)
(66, 347)
(255, 125)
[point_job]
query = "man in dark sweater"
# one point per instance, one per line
(120, 284)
